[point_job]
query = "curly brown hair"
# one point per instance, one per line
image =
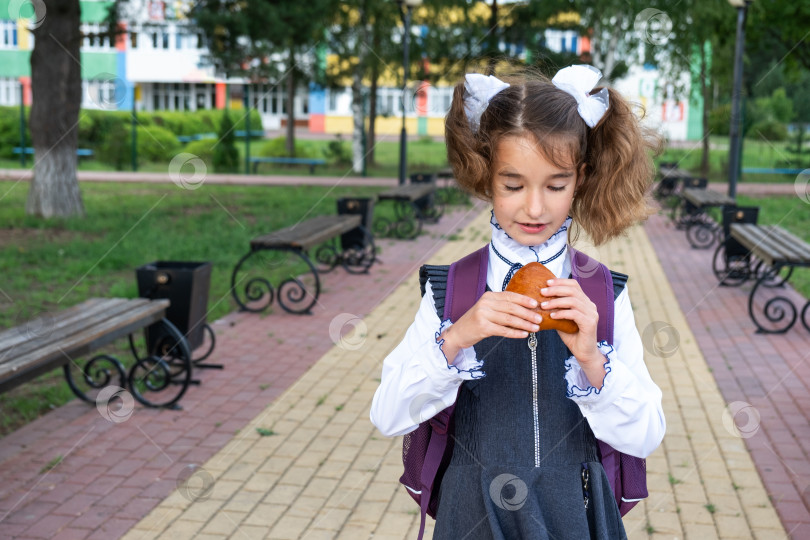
(615, 155)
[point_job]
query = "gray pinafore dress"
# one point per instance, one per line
(523, 451)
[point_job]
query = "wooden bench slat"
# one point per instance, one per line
(94, 314)
(753, 238)
(308, 233)
(791, 247)
(409, 192)
(772, 243)
(81, 343)
(706, 197)
(54, 326)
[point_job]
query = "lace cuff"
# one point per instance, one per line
(465, 365)
(580, 388)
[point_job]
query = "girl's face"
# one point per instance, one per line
(531, 197)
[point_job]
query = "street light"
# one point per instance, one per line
(735, 135)
(408, 6)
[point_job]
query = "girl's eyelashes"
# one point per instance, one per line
(513, 188)
(556, 188)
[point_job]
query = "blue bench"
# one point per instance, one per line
(287, 161)
(754, 170)
(81, 152)
(199, 136)
(196, 137)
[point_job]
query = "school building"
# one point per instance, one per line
(159, 63)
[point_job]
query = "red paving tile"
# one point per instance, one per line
(769, 371)
(106, 466)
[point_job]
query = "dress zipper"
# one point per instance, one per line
(535, 412)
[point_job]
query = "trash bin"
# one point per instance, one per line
(186, 285)
(364, 206)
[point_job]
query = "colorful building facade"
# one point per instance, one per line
(159, 63)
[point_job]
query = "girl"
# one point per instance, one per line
(545, 154)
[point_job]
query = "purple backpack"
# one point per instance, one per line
(426, 452)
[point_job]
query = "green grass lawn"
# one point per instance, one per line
(48, 265)
(756, 154)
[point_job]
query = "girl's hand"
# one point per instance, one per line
(572, 303)
(506, 314)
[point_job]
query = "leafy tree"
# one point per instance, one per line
(226, 156)
(264, 40)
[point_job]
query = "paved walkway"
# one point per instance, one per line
(73, 474)
(322, 470)
(306, 462)
(765, 376)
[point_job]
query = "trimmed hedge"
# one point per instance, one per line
(98, 127)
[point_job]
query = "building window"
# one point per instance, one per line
(133, 39)
(165, 38)
(154, 40)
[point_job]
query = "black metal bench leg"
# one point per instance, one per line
(701, 233)
(96, 375)
(212, 342)
(292, 293)
(160, 378)
(357, 260)
(775, 309)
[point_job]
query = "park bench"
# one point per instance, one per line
(412, 206)
(776, 249)
(355, 251)
(701, 230)
(670, 177)
(158, 378)
(287, 161)
(682, 211)
(81, 152)
(732, 261)
(240, 133)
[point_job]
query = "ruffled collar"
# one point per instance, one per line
(507, 255)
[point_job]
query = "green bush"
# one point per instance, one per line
(770, 130)
(720, 120)
(154, 144)
(338, 151)
(203, 149)
(10, 130)
(226, 156)
(277, 148)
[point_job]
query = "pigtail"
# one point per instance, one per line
(465, 153)
(615, 193)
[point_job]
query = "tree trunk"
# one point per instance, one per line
(372, 109)
(56, 87)
(291, 105)
(493, 38)
(704, 88)
(358, 112)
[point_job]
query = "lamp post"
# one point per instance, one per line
(735, 131)
(406, 6)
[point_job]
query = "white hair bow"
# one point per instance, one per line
(579, 81)
(479, 90)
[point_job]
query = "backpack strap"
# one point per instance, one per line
(466, 283)
(597, 283)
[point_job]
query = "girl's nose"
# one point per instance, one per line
(534, 204)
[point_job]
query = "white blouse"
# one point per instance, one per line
(417, 381)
